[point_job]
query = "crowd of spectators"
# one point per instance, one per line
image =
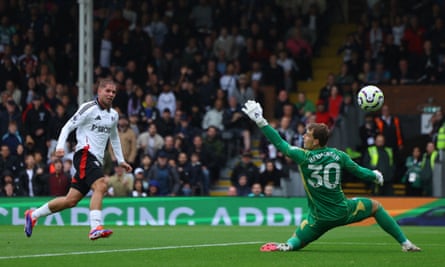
(394, 44)
(183, 69)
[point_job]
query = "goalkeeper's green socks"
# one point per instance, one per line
(294, 243)
(389, 224)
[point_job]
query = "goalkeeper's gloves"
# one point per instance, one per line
(255, 112)
(379, 177)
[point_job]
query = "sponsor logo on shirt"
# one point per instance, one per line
(100, 128)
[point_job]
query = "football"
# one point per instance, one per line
(370, 98)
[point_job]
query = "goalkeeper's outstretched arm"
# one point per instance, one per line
(255, 112)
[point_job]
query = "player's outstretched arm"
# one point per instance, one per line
(255, 112)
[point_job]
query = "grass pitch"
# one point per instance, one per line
(55, 246)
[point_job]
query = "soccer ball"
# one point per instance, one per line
(370, 98)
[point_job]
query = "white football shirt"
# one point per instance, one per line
(94, 127)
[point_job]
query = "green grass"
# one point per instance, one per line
(213, 246)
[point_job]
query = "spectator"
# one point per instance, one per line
(297, 139)
(301, 51)
(207, 89)
(157, 29)
(243, 91)
(235, 123)
(154, 189)
(225, 42)
(139, 175)
(9, 161)
(8, 70)
(149, 113)
(146, 164)
(398, 30)
(32, 179)
(389, 54)
(232, 191)
(185, 130)
(149, 142)
(290, 69)
(427, 69)
(184, 168)
(167, 99)
(58, 181)
(165, 124)
(375, 37)
(13, 91)
(268, 191)
(380, 157)
(389, 126)
(246, 168)
(169, 148)
(213, 141)
(271, 175)
(208, 159)
(303, 104)
(242, 187)
(412, 177)
(285, 129)
(128, 141)
(135, 102)
(138, 189)
(282, 100)
(429, 159)
(437, 120)
(322, 115)
(8, 188)
(36, 126)
(120, 184)
(56, 122)
(274, 74)
(202, 16)
(334, 103)
(166, 176)
(380, 76)
(325, 91)
(414, 36)
(27, 58)
(256, 191)
(228, 80)
(12, 138)
(199, 184)
(344, 77)
(214, 116)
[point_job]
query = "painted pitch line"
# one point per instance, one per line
(127, 250)
(187, 246)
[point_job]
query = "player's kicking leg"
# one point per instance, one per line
(29, 223)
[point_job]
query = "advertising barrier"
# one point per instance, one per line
(215, 211)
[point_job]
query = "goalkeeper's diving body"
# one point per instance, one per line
(321, 169)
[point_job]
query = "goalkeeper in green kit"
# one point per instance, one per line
(321, 169)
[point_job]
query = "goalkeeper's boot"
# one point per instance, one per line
(268, 247)
(99, 232)
(410, 247)
(29, 223)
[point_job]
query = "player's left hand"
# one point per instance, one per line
(379, 177)
(127, 167)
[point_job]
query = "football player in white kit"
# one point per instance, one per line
(95, 123)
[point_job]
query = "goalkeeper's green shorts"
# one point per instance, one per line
(311, 229)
